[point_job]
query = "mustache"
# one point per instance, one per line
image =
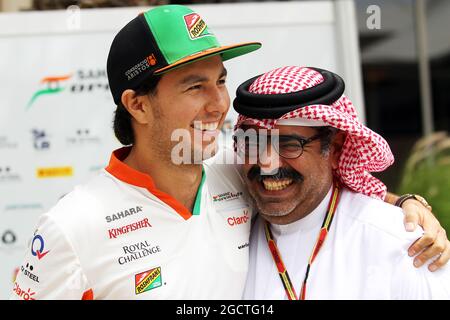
(280, 173)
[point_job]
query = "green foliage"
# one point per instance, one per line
(427, 173)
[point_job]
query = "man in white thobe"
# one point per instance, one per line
(322, 231)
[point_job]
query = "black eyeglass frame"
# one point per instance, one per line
(301, 140)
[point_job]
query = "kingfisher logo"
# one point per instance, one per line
(114, 233)
(38, 247)
(78, 82)
(148, 280)
(196, 26)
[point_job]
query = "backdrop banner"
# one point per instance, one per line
(56, 109)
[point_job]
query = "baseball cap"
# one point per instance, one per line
(160, 40)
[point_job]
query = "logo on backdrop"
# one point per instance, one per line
(83, 136)
(40, 139)
(54, 172)
(8, 238)
(52, 85)
(82, 81)
(7, 174)
(24, 206)
(6, 143)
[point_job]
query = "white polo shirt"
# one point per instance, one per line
(119, 237)
(364, 256)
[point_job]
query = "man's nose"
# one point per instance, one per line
(218, 100)
(269, 160)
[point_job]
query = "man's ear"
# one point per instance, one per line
(137, 106)
(336, 148)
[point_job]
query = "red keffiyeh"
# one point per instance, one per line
(364, 151)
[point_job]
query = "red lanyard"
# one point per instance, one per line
(282, 271)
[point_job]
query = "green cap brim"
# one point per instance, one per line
(227, 52)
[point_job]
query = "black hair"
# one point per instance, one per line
(122, 118)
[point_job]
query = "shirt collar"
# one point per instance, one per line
(125, 173)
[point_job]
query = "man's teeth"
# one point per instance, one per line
(211, 126)
(276, 185)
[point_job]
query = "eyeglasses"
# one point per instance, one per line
(287, 146)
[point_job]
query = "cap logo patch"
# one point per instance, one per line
(195, 25)
(140, 67)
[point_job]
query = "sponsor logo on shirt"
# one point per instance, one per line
(115, 232)
(123, 214)
(242, 219)
(243, 246)
(227, 196)
(27, 271)
(38, 247)
(138, 251)
(148, 280)
(24, 295)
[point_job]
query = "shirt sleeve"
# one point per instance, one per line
(410, 283)
(51, 269)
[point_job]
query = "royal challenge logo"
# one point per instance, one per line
(79, 82)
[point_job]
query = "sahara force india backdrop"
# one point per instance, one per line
(56, 114)
(56, 109)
